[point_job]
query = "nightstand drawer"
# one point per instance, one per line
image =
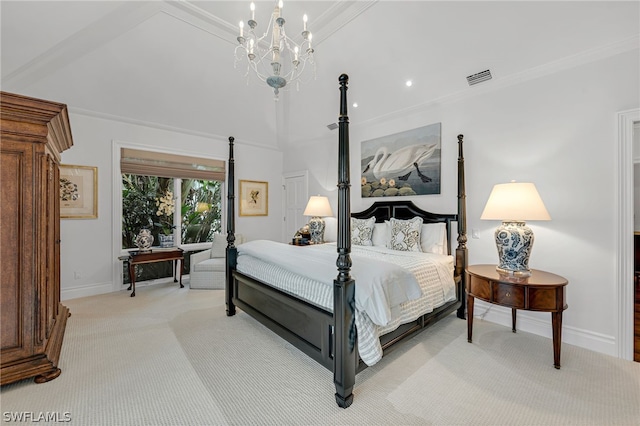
(508, 295)
(479, 288)
(546, 299)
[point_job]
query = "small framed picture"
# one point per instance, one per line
(78, 192)
(254, 198)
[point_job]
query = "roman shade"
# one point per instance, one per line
(150, 163)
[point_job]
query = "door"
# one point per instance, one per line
(295, 186)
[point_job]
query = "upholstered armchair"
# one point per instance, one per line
(207, 268)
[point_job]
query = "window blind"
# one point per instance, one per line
(150, 163)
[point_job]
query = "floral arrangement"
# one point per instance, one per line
(165, 206)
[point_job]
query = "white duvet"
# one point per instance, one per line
(383, 282)
(433, 272)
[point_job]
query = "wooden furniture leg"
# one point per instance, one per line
(556, 322)
(470, 303)
(132, 278)
(513, 319)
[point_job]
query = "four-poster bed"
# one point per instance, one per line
(328, 333)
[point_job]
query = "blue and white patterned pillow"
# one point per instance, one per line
(404, 235)
(362, 231)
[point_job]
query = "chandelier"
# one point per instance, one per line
(274, 57)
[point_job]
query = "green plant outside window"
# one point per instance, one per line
(150, 202)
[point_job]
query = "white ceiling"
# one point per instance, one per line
(171, 64)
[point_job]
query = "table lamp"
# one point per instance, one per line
(513, 203)
(317, 207)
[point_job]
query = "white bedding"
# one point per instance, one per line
(382, 284)
(392, 287)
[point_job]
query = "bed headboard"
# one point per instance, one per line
(405, 209)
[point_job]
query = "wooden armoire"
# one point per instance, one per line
(33, 133)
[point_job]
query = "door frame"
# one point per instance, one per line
(624, 234)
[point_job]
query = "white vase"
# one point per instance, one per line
(144, 240)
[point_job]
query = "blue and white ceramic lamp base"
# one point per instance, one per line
(316, 229)
(514, 240)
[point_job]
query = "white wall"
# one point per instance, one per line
(89, 263)
(557, 130)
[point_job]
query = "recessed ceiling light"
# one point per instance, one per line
(355, 105)
(409, 83)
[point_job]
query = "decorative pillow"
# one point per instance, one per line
(362, 231)
(380, 234)
(433, 238)
(219, 245)
(405, 234)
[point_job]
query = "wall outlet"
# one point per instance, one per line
(76, 275)
(474, 234)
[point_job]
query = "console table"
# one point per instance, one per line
(155, 255)
(542, 291)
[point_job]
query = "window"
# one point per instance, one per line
(170, 194)
(201, 210)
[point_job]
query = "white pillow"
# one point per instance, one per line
(362, 231)
(404, 235)
(380, 234)
(330, 229)
(433, 238)
(219, 245)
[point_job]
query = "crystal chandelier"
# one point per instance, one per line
(275, 58)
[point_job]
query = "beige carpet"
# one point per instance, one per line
(170, 356)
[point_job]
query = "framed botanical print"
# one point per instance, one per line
(254, 198)
(78, 192)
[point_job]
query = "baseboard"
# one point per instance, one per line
(103, 288)
(539, 323)
(86, 290)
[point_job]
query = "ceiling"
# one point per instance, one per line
(171, 64)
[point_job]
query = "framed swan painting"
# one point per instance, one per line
(402, 164)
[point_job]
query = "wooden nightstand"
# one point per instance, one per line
(542, 291)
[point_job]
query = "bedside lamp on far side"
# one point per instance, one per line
(317, 207)
(513, 203)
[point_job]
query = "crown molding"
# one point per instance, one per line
(163, 127)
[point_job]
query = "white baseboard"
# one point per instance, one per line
(86, 290)
(539, 323)
(108, 287)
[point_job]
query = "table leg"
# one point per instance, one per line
(556, 322)
(470, 301)
(132, 278)
(181, 268)
(513, 319)
(175, 268)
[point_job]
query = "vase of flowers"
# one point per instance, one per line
(165, 205)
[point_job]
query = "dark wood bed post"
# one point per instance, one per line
(461, 250)
(232, 251)
(344, 334)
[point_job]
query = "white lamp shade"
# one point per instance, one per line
(318, 207)
(517, 201)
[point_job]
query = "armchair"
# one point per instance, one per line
(207, 268)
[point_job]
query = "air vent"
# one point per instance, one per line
(332, 126)
(479, 77)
